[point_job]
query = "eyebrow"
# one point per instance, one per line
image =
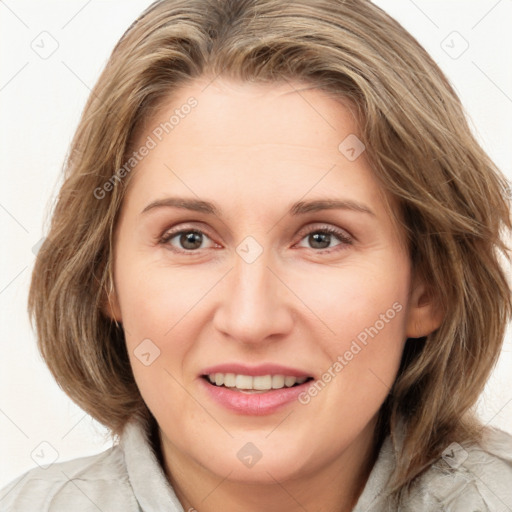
(298, 208)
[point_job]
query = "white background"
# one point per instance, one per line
(40, 103)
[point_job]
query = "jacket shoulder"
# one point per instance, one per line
(97, 480)
(476, 477)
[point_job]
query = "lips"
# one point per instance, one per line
(287, 384)
(253, 403)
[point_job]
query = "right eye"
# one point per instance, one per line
(186, 240)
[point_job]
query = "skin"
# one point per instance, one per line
(254, 150)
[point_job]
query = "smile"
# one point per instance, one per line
(254, 384)
(244, 398)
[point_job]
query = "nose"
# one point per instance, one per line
(255, 305)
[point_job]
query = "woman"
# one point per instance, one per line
(273, 272)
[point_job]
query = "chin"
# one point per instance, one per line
(259, 462)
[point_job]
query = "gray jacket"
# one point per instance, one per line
(129, 478)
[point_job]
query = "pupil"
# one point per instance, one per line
(193, 238)
(317, 238)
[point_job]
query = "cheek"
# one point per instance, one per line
(349, 299)
(360, 320)
(157, 306)
(154, 299)
(162, 310)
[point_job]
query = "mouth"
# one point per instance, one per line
(255, 395)
(254, 384)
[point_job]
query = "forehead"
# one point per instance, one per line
(228, 113)
(250, 139)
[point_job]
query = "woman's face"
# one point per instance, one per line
(293, 262)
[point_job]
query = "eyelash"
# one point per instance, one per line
(341, 235)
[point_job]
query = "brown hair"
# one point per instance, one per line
(452, 198)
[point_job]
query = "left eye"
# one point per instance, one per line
(321, 238)
(190, 240)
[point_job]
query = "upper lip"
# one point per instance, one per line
(261, 369)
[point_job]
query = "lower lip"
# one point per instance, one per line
(254, 404)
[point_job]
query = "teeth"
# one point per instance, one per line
(229, 379)
(289, 381)
(259, 383)
(278, 381)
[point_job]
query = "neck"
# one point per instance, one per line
(334, 487)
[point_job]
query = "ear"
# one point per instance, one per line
(424, 314)
(110, 305)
